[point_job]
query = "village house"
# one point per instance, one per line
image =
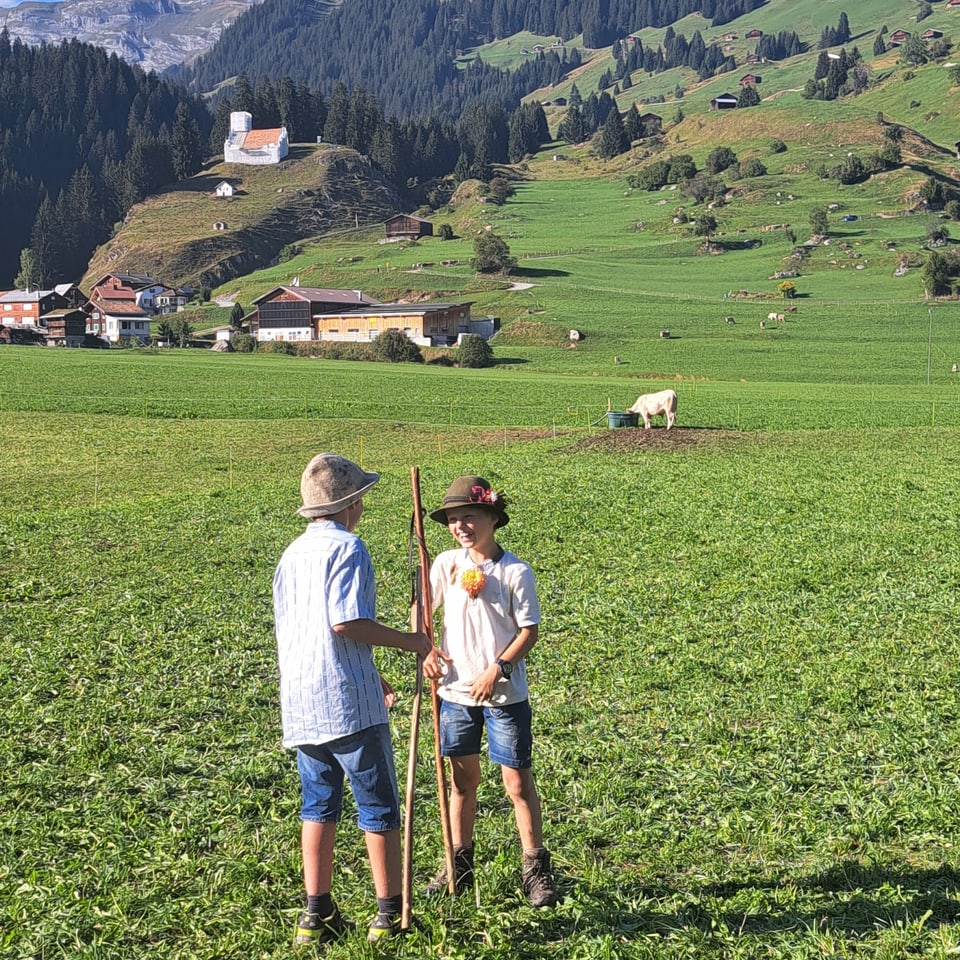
(751, 58)
(297, 314)
(225, 189)
(753, 34)
(405, 226)
(750, 80)
(121, 305)
(896, 38)
(931, 34)
(30, 308)
(256, 147)
(651, 124)
(726, 101)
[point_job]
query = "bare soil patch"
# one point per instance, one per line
(627, 439)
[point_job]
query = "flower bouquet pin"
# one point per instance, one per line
(472, 581)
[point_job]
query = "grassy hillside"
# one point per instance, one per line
(172, 235)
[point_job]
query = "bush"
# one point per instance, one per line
(243, 343)
(474, 351)
(394, 346)
(278, 346)
(778, 146)
(446, 231)
(753, 168)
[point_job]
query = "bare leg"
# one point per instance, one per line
(316, 844)
(383, 849)
(522, 791)
(463, 799)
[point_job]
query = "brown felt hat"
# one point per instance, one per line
(472, 491)
(330, 484)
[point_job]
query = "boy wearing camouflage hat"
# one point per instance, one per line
(333, 701)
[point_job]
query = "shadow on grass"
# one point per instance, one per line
(848, 899)
(533, 273)
(506, 361)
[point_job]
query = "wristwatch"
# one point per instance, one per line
(506, 668)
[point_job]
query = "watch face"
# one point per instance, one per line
(505, 668)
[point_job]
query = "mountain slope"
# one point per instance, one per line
(154, 34)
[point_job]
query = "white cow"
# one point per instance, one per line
(662, 404)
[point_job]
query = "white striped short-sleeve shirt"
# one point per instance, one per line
(329, 685)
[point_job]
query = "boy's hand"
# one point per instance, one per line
(420, 644)
(433, 669)
(482, 687)
(389, 697)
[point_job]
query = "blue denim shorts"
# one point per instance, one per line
(509, 736)
(366, 759)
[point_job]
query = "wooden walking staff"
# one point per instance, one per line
(423, 622)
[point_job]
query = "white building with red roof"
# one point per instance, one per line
(257, 147)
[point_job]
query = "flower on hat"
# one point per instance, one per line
(480, 494)
(472, 581)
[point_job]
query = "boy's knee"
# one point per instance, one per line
(519, 784)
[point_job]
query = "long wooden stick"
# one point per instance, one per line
(406, 914)
(425, 601)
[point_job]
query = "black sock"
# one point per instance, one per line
(321, 904)
(389, 906)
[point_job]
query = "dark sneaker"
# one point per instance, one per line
(537, 879)
(462, 871)
(314, 929)
(383, 926)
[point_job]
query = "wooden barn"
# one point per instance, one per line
(405, 226)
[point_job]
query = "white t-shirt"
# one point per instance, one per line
(476, 631)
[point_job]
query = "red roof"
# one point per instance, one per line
(260, 138)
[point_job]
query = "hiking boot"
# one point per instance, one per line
(462, 872)
(383, 926)
(537, 879)
(312, 929)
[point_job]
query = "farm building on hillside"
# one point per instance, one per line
(225, 189)
(651, 124)
(405, 226)
(726, 101)
(753, 34)
(257, 147)
(300, 314)
(750, 80)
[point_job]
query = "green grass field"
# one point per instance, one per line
(745, 693)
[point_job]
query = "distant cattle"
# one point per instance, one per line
(662, 404)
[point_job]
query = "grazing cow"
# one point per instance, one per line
(780, 318)
(662, 404)
(763, 325)
(772, 316)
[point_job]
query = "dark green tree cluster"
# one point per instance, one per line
(661, 172)
(838, 77)
(675, 51)
(82, 136)
(835, 36)
(780, 46)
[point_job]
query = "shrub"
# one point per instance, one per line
(778, 146)
(474, 351)
(753, 168)
(278, 346)
(243, 342)
(394, 346)
(446, 231)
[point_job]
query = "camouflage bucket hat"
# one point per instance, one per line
(331, 483)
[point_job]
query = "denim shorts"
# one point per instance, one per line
(509, 737)
(366, 758)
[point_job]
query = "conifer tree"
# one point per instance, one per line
(612, 139)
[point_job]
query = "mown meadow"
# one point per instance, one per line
(745, 694)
